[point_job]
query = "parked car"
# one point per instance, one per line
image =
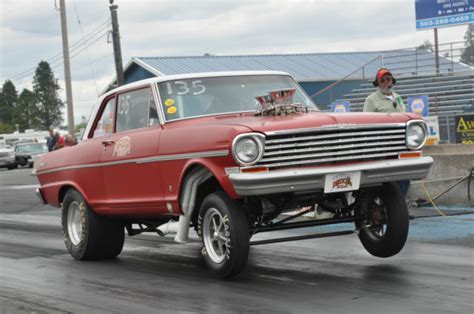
(7, 157)
(226, 154)
(26, 152)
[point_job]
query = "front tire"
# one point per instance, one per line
(87, 235)
(384, 231)
(224, 232)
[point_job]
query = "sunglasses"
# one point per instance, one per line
(386, 79)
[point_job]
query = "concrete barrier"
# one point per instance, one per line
(451, 163)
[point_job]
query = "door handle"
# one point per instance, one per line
(107, 143)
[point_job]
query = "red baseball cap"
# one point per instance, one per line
(382, 72)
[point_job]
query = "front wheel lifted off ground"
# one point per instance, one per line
(89, 236)
(384, 231)
(224, 232)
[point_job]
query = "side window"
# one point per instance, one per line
(105, 125)
(136, 110)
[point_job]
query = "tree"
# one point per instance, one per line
(8, 100)
(467, 55)
(25, 113)
(46, 87)
(426, 45)
(80, 126)
(6, 128)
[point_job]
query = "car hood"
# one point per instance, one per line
(266, 124)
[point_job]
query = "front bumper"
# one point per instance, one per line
(39, 194)
(8, 161)
(312, 179)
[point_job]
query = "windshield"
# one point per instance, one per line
(214, 95)
(32, 149)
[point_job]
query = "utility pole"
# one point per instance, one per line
(436, 50)
(67, 69)
(437, 66)
(116, 43)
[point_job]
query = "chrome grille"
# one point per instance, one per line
(4, 154)
(322, 146)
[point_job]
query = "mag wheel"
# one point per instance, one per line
(224, 232)
(384, 231)
(88, 236)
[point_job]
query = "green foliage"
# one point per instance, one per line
(427, 45)
(46, 87)
(80, 126)
(468, 53)
(8, 100)
(25, 113)
(6, 128)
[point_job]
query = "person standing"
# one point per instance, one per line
(384, 99)
(59, 141)
(51, 140)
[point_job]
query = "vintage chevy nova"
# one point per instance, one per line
(227, 153)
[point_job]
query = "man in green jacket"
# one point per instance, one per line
(384, 99)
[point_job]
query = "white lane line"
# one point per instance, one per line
(20, 187)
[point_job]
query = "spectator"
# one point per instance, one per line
(70, 140)
(59, 141)
(51, 140)
(386, 100)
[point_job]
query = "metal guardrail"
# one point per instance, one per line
(409, 63)
(361, 68)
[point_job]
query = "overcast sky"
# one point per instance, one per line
(30, 32)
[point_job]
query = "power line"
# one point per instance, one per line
(87, 51)
(53, 66)
(58, 57)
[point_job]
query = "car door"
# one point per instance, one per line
(130, 167)
(89, 153)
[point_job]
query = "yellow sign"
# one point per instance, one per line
(465, 129)
(172, 110)
(169, 102)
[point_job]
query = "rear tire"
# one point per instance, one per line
(224, 233)
(87, 235)
(385, 230)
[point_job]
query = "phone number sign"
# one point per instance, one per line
(442, 13)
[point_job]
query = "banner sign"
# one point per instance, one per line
(342, 106)
(442, 13)
(465, 129)
(433, 130)
(419, 105)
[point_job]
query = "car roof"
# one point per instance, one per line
(170, 78)
(191, 76)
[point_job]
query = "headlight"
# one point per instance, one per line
(247, 149)
(11, 155)
(416, 134)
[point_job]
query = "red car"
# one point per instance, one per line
(226, 154)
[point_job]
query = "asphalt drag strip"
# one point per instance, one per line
(433, 274)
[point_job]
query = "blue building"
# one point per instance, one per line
(314, 71)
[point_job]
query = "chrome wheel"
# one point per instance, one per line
(215, 235)
(74, 225)
(377, 222)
